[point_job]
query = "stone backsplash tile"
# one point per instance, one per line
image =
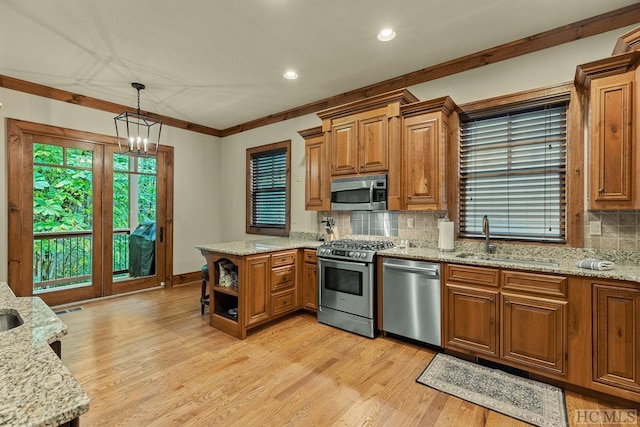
(619, 241)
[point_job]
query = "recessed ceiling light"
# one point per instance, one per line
(386, 34)
(290, 75)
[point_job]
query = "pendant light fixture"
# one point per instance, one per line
(141, 131)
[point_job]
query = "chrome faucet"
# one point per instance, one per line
(488, 247)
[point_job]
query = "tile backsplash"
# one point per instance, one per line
(417, 225)
(620, 229)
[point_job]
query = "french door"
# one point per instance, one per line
(85, 221)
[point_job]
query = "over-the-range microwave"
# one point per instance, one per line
(362, 193)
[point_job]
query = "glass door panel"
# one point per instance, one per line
(64, 243)
(136, 225)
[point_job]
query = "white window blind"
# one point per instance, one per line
(268, 186)
(513, 169)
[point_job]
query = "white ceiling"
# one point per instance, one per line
(219, 63)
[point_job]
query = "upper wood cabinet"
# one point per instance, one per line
(426, 145)
(363, 137)
(614, 159)
(317, 194)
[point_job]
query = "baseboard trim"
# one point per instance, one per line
(184, 278)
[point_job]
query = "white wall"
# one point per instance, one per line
(544, 68)
(210, 173)
(197, 172)
(234, 175)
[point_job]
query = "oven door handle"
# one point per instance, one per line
(337, 263)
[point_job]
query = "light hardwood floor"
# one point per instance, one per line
(152, 359)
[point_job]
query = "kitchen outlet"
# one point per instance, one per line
(595, 228)
(411, 222)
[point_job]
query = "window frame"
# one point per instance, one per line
(574, 228)
(252, 152)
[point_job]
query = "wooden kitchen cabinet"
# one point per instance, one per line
(310, 281)
(534, 331)
(613, 100)
(616, 324)
(317, 190)
(283, 283)
(426, 157)
(514, 317)
(257, 290)
(267, 289)
(471, 309)
(472, 320)
(360, 143)
(533, 320)
(363, 137)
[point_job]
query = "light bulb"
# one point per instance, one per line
(386, 34)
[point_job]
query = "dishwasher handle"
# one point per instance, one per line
(421, 270)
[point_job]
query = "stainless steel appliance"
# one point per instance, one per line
(411, 299)
(346, 284)
(366, 193)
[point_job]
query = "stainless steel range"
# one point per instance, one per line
(346, 284)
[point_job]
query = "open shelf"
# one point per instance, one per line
(225, 290)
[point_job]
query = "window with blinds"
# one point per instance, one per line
(513, 169)
(268, 189)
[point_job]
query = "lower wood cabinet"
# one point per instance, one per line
(267, 288)
(616, 325)
(310, 280)
(471, 319)
(514, 317)
(534, 331)
(256, 289)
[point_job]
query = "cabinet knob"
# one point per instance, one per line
(600, 190)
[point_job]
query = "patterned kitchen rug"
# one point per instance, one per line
(521, 398)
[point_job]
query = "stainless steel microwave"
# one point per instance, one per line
(362, 193)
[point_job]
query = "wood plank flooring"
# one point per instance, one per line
(151, 359)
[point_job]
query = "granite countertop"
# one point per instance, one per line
(566, 266)
(251, 247)
(36, 389)
(565, 258)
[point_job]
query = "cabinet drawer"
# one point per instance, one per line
(283, 277)
(283, 302)
(533, 283)
(283, 258)
(472, 275)
(310, 255)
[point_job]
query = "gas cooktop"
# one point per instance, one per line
(357, 250)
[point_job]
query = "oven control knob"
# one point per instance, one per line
(351, 253)
(363, 255)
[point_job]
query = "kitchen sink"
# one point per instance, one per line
(515, 260)
(9, 321)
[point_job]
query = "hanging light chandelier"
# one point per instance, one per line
(141, 131)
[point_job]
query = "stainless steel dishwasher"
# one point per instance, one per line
(411, 299)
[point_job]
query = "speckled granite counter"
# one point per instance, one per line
(566, 264)
(626, 265)
(251, 247)
(36, 389)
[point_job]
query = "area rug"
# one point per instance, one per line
(521, 398)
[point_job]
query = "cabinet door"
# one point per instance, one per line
(471, 316)
(317, 195)
(616, 322)
(373, 153)
(256, 292)
(611, 143)
(310, 286)
(534, 332)
(344, 148)
(420, 148)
